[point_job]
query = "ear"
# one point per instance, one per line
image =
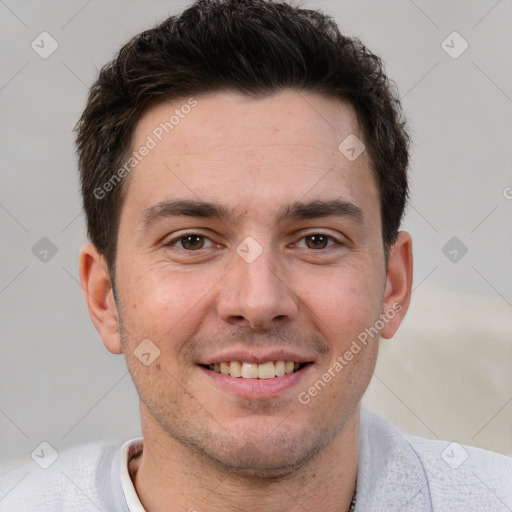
(398, 284)
(98, 295)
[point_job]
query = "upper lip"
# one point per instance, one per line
(254, 356)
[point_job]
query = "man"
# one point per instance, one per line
(244, 175)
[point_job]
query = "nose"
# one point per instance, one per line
(257, 294)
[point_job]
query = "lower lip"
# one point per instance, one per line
(256, 388)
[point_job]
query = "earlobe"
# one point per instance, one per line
(98, 296)
(398, 284)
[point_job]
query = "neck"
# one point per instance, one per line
(171, 477)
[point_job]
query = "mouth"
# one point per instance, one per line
(251, 370)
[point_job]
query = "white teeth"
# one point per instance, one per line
(235, 369)
(224, 368)
(246, 370)
(266, 370)
(280, 368)
(250, 370)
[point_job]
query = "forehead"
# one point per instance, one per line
(245, 150)
(233, 119)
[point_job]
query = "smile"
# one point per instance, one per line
(247, 370)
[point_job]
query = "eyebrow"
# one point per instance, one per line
(203, 209)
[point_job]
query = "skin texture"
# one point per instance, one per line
(205, 447)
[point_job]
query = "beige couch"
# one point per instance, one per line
(447, 373)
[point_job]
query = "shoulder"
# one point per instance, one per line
(432, 474)
(80, 478)
(472, 477)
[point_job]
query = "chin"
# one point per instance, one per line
(263, 460)
(251, 451)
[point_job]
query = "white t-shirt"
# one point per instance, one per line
(130, 449)
(395, 472)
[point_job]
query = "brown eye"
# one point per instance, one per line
(318, 241)
(192, 242)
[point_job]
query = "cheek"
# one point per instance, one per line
(163, 304)
(344, 301)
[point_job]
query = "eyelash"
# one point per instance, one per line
(172, 242)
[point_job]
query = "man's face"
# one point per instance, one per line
(258, 286)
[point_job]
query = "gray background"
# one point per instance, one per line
(57, 381)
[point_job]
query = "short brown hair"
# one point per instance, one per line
(247, 46)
